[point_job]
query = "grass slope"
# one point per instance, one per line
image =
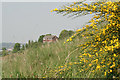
(42, 61)
(37, 61)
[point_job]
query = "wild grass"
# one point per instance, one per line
(40, 60)
(37, 61)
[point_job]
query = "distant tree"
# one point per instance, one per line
(23, 47)
(4, 53)
(65, 33)
(29, 42)
(71, 32)
(32, 42)
(41, 38)
(48, 34)
(16, 47)
(26, 45)
(3, 48)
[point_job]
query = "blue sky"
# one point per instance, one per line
(23, 21)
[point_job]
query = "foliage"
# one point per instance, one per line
(65, 33)
(41, 38)
(3, 48)
(26, 45)
(23, 47)
(4, 53)
(29, 42)
(101, 54)
(48, 34)
(16, 47)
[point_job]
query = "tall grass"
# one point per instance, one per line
(39, 61)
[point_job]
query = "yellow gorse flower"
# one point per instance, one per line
(102, 50)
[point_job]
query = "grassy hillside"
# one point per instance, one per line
(40, 60)
(92, 52)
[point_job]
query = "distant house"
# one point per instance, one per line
(9, 49)
(50, 38)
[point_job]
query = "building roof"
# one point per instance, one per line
(51, 36)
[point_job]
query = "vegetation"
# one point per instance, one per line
(37, 61)
(3, 48)
(48, 34)
(16, 47)
(65, 33)
(4, 52)
(92, 52)
(26, 45)
(41, 38)
(101, 54)
(23, 47)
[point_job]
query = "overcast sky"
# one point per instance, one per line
(0, 23)
(23, 21)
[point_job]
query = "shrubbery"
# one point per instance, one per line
(99, 57)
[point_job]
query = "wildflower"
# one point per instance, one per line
(70, 39)
(110, 70)
(61, 66)
(79, 30)
(104, 31)
(90, 64)
(90, 12)
(55, 9)
(105, 73)
(67, 40)
(75, 62)
(114, 55)
(51, 11)
(98, 67)
(70, 63)
(96, 54)
(97, 20)
(82, 35)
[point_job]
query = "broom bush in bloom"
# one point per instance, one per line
(100, 55)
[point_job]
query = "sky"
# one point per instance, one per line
(23, 21)
(0, 23)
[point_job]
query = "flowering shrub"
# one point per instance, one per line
(99, 57)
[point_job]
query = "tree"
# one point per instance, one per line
(26, 45)
(65, 33)
(48, 34)
(16, 47)
(29, 42)
(71, 33)
(3, 48)
(32, 42)
(4, 52)
(23, 47)
(41, 38)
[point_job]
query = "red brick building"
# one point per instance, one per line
(50, 38)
